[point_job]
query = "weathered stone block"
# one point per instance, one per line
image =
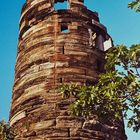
(43, 124)
(53, 132)
(68, 122)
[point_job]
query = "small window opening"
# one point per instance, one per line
(61, 80)
(63, 50)
(61, 4)
(64, 29)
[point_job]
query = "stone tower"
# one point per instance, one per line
(57, 46)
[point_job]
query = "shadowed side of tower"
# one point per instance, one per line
(55, 47)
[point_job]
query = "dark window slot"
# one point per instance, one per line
(63, 50)
(61, 80)
(64, 29)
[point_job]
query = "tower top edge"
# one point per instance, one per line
(71, 4)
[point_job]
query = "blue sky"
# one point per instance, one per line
(121, 22)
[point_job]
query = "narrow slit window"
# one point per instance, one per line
(64, 29)
(63, 50)
(61, 4)
(61, 80)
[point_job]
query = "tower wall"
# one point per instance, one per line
(55, 47)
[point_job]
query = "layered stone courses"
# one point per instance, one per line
(48, 57)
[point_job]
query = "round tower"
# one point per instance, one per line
(60, 41)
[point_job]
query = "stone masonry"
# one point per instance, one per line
(55, 47)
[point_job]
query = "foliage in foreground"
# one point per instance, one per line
(135, 5)
(117, 92)
(5, 132)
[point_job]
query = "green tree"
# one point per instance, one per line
(5, 131)
(117, 92)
